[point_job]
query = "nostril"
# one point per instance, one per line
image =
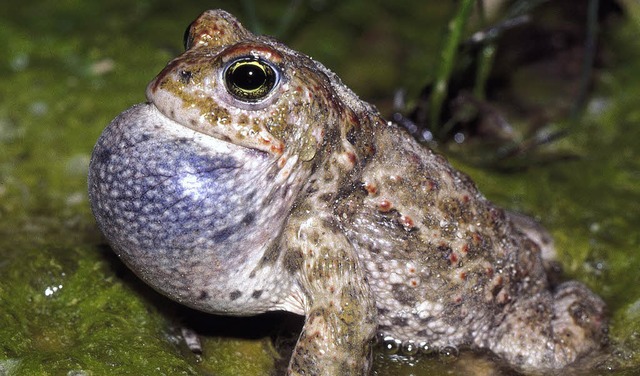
(185, 76)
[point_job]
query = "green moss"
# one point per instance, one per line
(230, 357)
(65, 311)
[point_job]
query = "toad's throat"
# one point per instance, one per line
(187, 203)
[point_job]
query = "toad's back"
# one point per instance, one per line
(448, 268)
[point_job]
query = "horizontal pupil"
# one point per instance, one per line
(249, 77)
(250, 80)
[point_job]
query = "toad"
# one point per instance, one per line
(254, 180)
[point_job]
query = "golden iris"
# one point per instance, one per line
(250, 79)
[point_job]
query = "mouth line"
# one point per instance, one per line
(212, 141)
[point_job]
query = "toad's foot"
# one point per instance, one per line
(551, 330)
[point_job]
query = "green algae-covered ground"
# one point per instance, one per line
(69, 307)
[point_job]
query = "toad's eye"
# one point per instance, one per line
(250, 79)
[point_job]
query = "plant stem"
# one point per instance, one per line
(589, 57)
(447, 62)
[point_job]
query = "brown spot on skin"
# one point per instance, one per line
(371, 188)
(476, 239)
(282, 162)
(385, 206)
(465, 249)
(496, 285)
(353, 119)
(503, 297)
(463, 275)
(453, 257)
(407, 222)
(489, 271)
(277, 149)
(351, 157)
(369, 150)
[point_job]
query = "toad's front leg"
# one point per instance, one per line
(340, 311)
